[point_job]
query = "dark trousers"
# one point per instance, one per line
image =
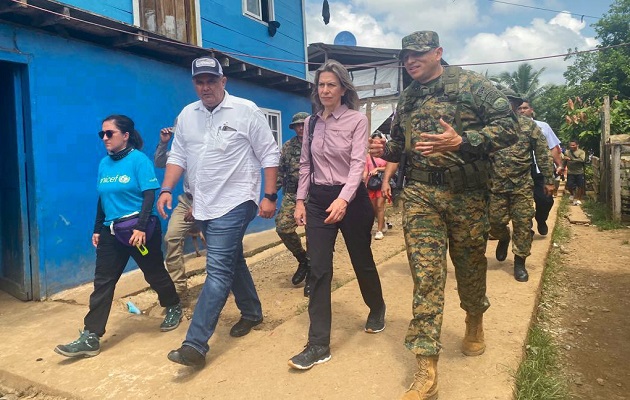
(111, 259)
(543, 202)
(355, 228)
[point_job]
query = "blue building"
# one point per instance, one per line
(64, 66)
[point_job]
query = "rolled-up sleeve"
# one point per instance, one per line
(263, 142)
(177, 155)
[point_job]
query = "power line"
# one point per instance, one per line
(582, 16)
(367, 65)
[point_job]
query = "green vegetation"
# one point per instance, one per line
(573, 110)
(601, 216)
(525, 81)
(539, 377)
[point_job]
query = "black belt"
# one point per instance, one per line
(436, 177)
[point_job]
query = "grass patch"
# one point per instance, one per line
(601, 216)
(539, 377)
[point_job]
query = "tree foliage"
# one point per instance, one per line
(525, 81)
(606, 72)
(574, 110)
(582, 121)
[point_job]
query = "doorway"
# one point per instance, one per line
(15, 260)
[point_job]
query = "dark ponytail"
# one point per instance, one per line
(126, 124)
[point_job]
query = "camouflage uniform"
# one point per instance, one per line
(437, 216)
(511, 191)
(288, 176)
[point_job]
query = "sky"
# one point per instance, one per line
(471, 31)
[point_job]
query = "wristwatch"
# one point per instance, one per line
(272, 196)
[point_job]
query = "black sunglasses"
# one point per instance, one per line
(109, 134)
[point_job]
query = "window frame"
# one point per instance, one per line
(277, 114)
(196, 38)
(259, 17)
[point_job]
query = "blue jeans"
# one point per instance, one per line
(226, 269)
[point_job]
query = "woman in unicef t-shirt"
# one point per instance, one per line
(126, 186)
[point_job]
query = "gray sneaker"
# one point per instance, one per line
(172, 319)
(87, 345)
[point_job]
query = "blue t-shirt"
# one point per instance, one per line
(120, 184)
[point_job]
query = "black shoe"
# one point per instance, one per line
(520, 272)
(543, 229)
(311, 355)
(243, 326)
(376, 321)
(502, 249)
(300, 273)
(188, 356)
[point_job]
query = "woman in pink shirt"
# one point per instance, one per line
(331, 172)
(373, 166)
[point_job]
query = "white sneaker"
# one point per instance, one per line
(571, 198)
(378, 235)
(578, 203)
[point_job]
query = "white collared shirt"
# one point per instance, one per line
(550, 135)
(222, 152)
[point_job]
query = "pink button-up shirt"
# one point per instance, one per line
(339, 151)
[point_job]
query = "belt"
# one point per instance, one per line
(436, 177)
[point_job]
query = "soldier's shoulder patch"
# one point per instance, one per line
(501, 104)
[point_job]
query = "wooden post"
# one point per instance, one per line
(615, 187)
(604, 153)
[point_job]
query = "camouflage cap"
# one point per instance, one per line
(420, 41)
(512, 96)
(298, 118)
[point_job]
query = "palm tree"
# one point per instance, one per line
(524, 81)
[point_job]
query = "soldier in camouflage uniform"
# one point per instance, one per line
(447, 122)
(288, 176)
(511, 191)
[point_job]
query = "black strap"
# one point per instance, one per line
(311, 129)
(373, 162)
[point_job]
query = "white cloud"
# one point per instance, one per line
(540, 39)
(467, 35)
(377, 23)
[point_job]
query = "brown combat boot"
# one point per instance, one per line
(425, 382)
(473, 344)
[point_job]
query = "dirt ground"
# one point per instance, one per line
(272, 271)
(591, 316)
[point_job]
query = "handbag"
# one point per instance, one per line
(123, 228)
(375, 181)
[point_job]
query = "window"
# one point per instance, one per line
(275, 123)
(175, 19)
(261, 10)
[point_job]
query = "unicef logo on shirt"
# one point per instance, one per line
(124, 179)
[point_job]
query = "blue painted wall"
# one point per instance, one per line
(224, 27)
(72, 87)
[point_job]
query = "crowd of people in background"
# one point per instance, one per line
(482, 163)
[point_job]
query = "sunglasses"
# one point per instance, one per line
(109, 134)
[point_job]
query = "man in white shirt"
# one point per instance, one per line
(222, 142)
(543, 201)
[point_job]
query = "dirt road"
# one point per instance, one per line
(133, 362)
